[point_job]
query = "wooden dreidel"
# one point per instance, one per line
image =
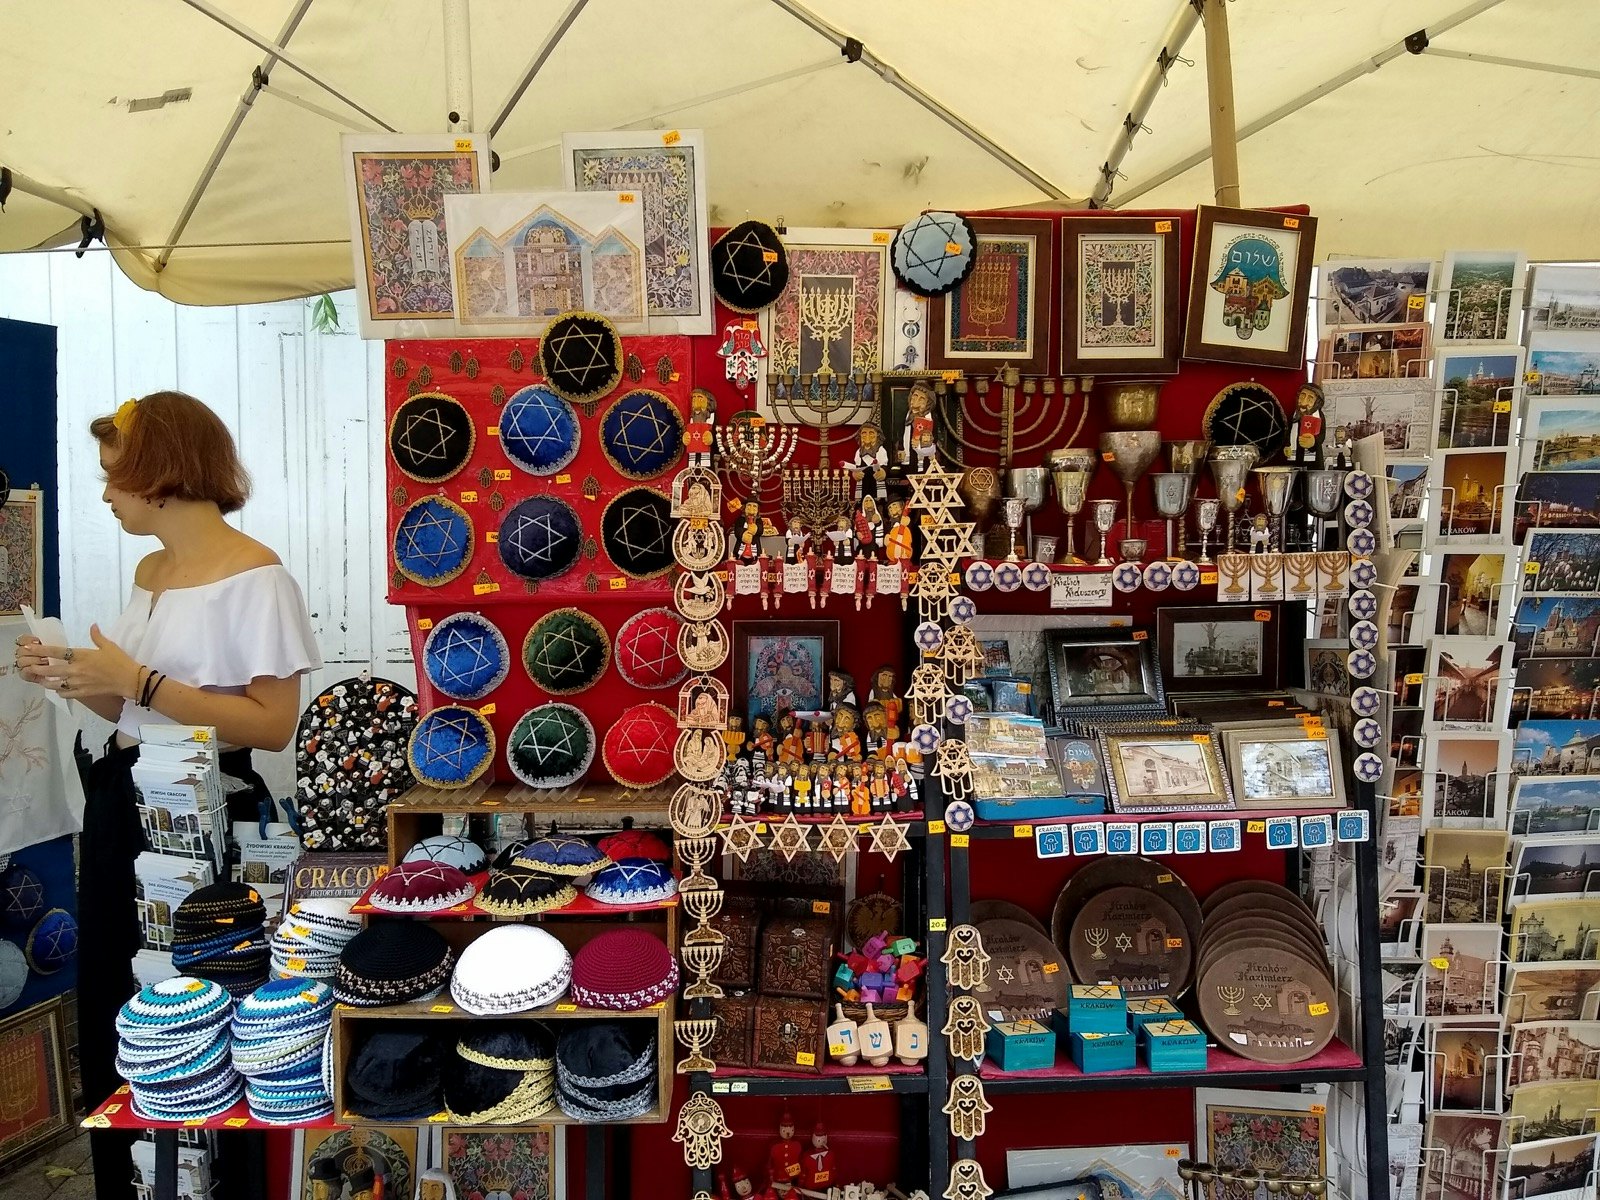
(844, 1039)
(910, 1039)
(877, 1041)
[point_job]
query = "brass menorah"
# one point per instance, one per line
(702, 959)
(1010, 427)
(1230, 996)
(753, 451)
(817, 497)
(828, 311)
(824, 406)
(693, 1036)
(1097, 938)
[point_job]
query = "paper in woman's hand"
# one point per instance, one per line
(51, 632)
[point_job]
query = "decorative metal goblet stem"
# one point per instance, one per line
(1173, 491)
(1070, 487)
(1104, 513)
(1206, 518)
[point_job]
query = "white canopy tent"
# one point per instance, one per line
(205, 132)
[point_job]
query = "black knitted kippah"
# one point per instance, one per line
(218, 907)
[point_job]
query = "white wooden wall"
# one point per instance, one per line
(306, 408)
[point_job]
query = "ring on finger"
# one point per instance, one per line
(68, 656)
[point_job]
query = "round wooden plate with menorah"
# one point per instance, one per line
(1267, 1003)
(1131, 937)
(1123, 870)
(1027, 977)
(1264, 925)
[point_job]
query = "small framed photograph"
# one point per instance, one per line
(1325, 668)
(528, 1163)
(1480, 295)
(1002, 314)
(1227, 647)
(1164, 770)
(1119, 295)
(1283, 767)
(1093, 670)
(1250, 287)
(781, 666)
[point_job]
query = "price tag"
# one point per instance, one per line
(618, 583)
(1163, 226)
(295, 964)
(492, 536)
(821, 906)
(673, 378)
(871, 1083)
(1051, 968)
(1107, 456)
(1439, 964)
(1174, 1152)
(463, 145)
(97, 1122)
(1274, 703)
(1208, 577)
(1263, 614)
(1414, 679)
(491, 431)
(237, 1122)
(625, 197)
(469, 497)
(960, 841)
(1022, 831)
(1416, 303)
(805, 1058)
(1141, 635)
(671, 137)
(113, 1108)
(880, 237)
(564, 477)
(1201, 739)
(194, 1122)
(201, 735)
(1502, 406)
(438, 1118)
(442, 1008)
(502, 475)
(1531, 569)
(952, 247)
(566, 1008)
(1255, 827)
(938, 924)
(423, 623)
(1318, 1110)
(1314, 731)
(770, 256)
(837, 1049)
(935, 828)
(950, 376)
(1291, 222)
(484, 589)
(1174, 943)
(488, 710)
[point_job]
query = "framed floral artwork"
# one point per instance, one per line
(1119, 296)
(396, 185)
(833, 317)
(1250, 288)
(526, 1163)
(1002, 314)
(1284, 1131)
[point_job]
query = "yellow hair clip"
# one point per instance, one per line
(124, 416)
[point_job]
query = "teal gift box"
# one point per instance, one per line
(1095, 1053)
(1020, 1046)
(1153, 1008)
(1174, 1046)
(1096, 1008)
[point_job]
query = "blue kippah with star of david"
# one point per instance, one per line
(539, 431)
(642, 434)
(21, 896)
(540, 538)
(451, 747)
(466, 657)
(433, 541)
(934, 253)
(53, 942)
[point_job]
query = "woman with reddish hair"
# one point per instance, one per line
(216, 633)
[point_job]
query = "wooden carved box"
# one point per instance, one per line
(738, 927)
(796, 954)
(788, 1035)
(734, 1043)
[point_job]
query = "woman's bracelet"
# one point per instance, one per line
(160, 679)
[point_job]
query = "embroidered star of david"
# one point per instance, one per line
(24, 895)
(565, 744)
(950, 230)
(426, 437)
(54, 938)
(455, 639)
(580, 663)
(744, 250)
(583, 353)
(643, 431)
(630, 872)
(426, 520)
(538, 539)
(659, 736)
(456, 755)
(529, 426)
(644, 532)
(653, 647)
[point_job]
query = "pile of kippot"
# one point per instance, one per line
(217, 934)
(309, 939)
(173, 1049)
(278, 1035)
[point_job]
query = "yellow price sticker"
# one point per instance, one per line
(1174, 1152)
(488, 710)
(1022, 831)
(950, 376)
(805, 1058)
(935, 827)
(1208, 577)
(113, 1108)
(469, 497)
(463, 145)
(502, 475)
(952, 247)
(564, 477)
(1320, 1009)
(237, 1122)
(1416, 302)
(1263, 614)
(1291, 222)
(618, 583)
(492, 536)
(1414, 679)
(1200, 739)
(484, 589)
(201, 735)
(769, 256)
(673, 378)
(821, 906)
(1164, 878)
(1439, 964)
(1274, 703)
(1502, 406)
(1051, 968)
(1163, 226)
(442, 1008)
(295, 964)
(1141, 635)
(1255, 827)
(1531, 569)
(491, 431)
(625, 197)
(671, 137)
(194, 1122)
(1174, 943)
(439, 1118)
(566, 1008)
(938, 924)
(838, 1049)
(960, 841)
(1318, 1110)
(425, 623)
(880, 237)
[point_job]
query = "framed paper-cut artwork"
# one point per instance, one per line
(782, 666)
(667, 172)
(21, 552)
(1119, 296)
(1002, 314)
(35, 1098)
(518, 260)
(833, 316)
(525, 1163)
(396, 185)
(1250, 288)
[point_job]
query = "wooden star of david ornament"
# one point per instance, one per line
(790, 838)
(934, 492)
(740, 837)
(965, 959)
(838, 838)
(967, 1108)
(965, 1027)
(947, 542)
(889, 838)
(967, 1182)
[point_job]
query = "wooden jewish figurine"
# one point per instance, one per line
(1307, 429)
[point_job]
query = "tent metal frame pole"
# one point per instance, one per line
(1144, 96)
(287, 59)
(457, 65)
(1365, 67)
(1521, 64)
(1219, 105)
(853, 49)
(536, 64)
(258, 81)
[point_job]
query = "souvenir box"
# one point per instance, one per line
(1152, 1008)
(1036, 808)
(1096, 1008)
(1020, 1046)
(788, 1035)
(734, 1042)
(796, 953)
(739, 925)
(1095, 1053)
(1173, 1046)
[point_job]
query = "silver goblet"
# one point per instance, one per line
(1028, 484)
(1187, 456)
(1276, 483)
(1230, 467)
(1104, 513)
(1130, 453)
(1205, 519)
(1071, 485)
(1013, 507)
(1324, 497)
(1173, 491)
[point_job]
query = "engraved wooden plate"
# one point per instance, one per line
(1003, 910)
(1132, 937)
(1268, 1005)
(1027, 976)
(1260, 922)
(1268, 939)
(1248, 905)
(1124, 870)
(1241, 886)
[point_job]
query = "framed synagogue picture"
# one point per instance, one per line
(1119, 296)
(1001, 315)
(1250, 288)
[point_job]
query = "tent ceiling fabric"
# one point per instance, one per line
(1416, 156)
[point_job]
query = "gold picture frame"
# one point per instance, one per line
(1157, 769)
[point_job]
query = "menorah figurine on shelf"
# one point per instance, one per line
(817, 497)
(693, 1035)
(753, 451)
(1009, 428)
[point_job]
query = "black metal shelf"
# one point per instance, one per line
(831, 1083)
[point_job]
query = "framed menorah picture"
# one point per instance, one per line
(1003, 313)
(1119, 296)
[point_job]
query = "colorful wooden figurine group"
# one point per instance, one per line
(865, 554)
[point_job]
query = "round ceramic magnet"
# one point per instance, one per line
(1368, 767)
(1364, 635)
(1358, 485)
(1362, 542)
(1366, 701)
(1363, 572)
(1007, 576)
(1036, 577)
(980, 576)
(1367, 732)
(962, 609)
(1127, 577)
(1363, 605)
(1185, 576)
(928, 636)
(926, 739)
(957, 708)
(1361, 663)
(959, 817)
(1359, 512)
(1158, 576)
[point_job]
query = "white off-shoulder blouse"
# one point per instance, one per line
(218, 636)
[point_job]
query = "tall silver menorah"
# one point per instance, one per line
(754, 451)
